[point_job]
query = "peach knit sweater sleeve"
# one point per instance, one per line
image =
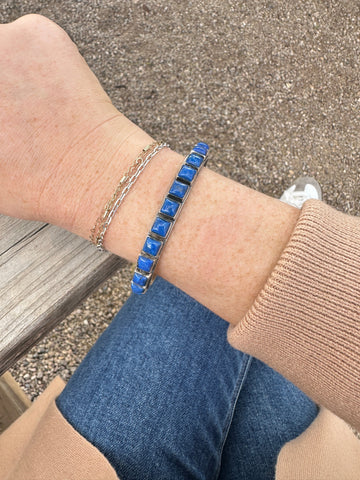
(305, 323)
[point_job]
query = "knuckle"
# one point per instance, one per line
(32, 19)
(37, 26)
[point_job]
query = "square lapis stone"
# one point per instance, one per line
(200, 149)
(137, 288)
(170, 207)
(194, 159)
(187, 173)
(160, 226)
(139, 279)
(204, 145)
(178, 189)
(145, 263)
(151, 246)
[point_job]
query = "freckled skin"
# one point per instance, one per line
(64, 147)
(224, 244)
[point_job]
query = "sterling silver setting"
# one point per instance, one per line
(148, 276)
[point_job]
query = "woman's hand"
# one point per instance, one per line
(64, 147)
(57, 125)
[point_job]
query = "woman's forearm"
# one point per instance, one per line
(66, 147)
(224, 244)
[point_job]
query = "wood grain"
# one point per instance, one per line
(45, 272)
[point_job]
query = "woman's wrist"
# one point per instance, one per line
(86, 178)
(225, 242)
(67, 148)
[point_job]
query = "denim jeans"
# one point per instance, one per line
(164, 396)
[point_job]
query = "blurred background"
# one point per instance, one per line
(273, 87)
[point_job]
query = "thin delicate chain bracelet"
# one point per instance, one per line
(97, 233)
(166, 217)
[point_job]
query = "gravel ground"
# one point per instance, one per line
(272, 86)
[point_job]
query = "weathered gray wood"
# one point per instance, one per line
(45, 272)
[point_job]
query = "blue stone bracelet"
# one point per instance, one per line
(166, 217)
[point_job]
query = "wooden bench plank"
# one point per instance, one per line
(13, 230)
(45, 272)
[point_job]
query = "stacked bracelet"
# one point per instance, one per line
(103, 221)
(166, 217)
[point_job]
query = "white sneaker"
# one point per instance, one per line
(304, 188)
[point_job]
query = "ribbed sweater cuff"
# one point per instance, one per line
(305, 323)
